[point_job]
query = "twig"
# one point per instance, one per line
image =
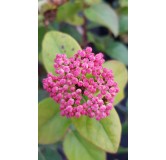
(84, 36)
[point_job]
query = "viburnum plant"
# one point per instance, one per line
(83, 91)
(75, 91)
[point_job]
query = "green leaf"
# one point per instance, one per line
(103, 14)
(51, 154)
(92, 25)
(92, 2)
(57, 42)
(48, 153)
(41, 33)
(40, 156)
(77, 148)
(105, 133)
(72, 31)
(100, 42)
(122, 150)
(51, 125)
(123, 10)
(69, 13)
(124, 3)
(125, 128)
(120, 76)
(118, 51)
(40, 60)
(123, 23)
(40, 20)
(76, 20)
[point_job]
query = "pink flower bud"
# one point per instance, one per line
(78, 76)
(88, 49)
(77, 114)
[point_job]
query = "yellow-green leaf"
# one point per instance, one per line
(51, 125)
(69, 13)
(57, 42)
(105, 133)
(78, 148)
(120, 75)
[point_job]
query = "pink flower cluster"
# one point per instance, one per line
(82, 86)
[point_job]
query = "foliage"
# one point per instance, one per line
(65, 28)
(52, 126)
(106, 12)
(57, 42)
(105, 133)
(76, 147)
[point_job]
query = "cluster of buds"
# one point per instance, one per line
(82, 86)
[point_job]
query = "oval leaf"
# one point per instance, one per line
(118, 51)
(77, 148)
(103, 14)
(56, 42)
(51, 126)
(120, 76)
(105, 133)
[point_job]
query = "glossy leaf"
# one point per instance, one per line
(57, 42)
(78, 148)
(103, 14)
(51, 126)
(120, 76)
(105, 133)
(118, 51)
